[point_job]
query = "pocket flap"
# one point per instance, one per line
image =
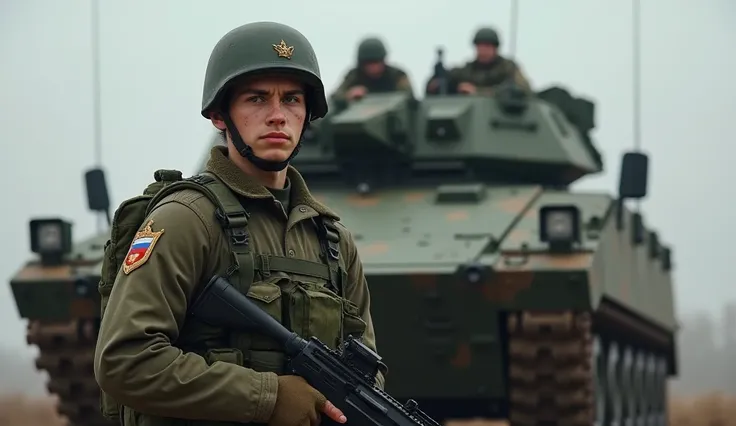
(228, 355)
(265, 291)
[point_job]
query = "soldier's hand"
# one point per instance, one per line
(299, 404)
(356, 92)
(433, 85)
(467, 88)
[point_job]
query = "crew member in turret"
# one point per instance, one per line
(372, 74)
(486, 72)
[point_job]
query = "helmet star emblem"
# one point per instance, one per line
(283, 50)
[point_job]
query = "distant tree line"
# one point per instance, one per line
(707, 353)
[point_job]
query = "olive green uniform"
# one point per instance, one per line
(486, 77)
(158, 366)
(393, 78)
(152, 357)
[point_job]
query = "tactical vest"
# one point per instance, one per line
(309, 307)
(485, 76)
(385, 83)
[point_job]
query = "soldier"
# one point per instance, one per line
(372, 73)
(487, 71)
(273, 240)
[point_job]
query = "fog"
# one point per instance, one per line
(152, 66)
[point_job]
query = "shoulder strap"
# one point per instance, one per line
(233, 219)
(329, 237)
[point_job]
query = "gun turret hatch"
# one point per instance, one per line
(373, 128)
(447, 120)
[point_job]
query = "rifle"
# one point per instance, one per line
(346, 377)
(440, 73)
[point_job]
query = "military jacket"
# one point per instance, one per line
(392, 80)
(488, 76)
(166, 368)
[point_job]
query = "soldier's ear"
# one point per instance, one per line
(217, 121)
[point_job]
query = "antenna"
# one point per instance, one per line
(636, 100)
(96, 110)
(635, 164)
(636, 80)
(513, 27)
(636, 74)
(95, 13)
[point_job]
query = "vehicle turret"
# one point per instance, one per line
(393, 140)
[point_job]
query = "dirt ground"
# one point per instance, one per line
(709, 410)
(25, 411)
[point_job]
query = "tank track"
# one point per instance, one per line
(67, 355)
(551, 369)
(563, 373)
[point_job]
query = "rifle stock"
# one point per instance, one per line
(346, 377)
(220, 304)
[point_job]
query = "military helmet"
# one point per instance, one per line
(259, 48)
(486, 35)
(371, 49)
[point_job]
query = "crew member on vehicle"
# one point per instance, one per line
(372, 74)
(486, 72)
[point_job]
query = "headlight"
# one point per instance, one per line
(559, 225)
(51, 238)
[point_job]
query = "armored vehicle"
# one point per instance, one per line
(497, 291)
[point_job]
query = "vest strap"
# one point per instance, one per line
(233, 219)
(267, 263)
(330, 240)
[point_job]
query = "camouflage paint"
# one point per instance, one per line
(67, 291)
(446, 184)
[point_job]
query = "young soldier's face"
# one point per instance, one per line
(269, 113)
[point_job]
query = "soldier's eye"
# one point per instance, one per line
(292, 99)
(256, 99)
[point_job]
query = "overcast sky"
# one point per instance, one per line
(154, 56)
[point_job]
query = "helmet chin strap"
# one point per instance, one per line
(247, 152)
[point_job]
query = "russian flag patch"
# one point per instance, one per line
(141, 248)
